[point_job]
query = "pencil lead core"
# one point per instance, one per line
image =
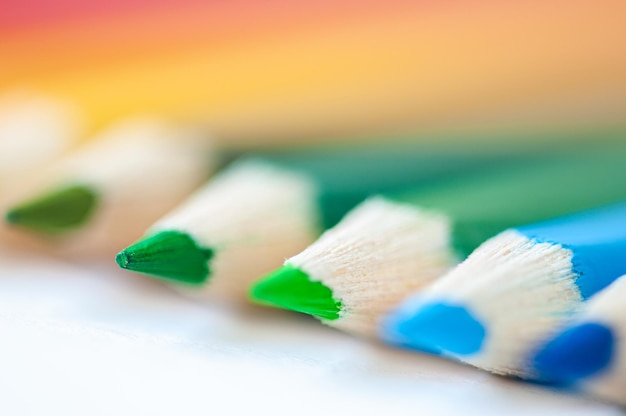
(171, 255)
(291, 288)
(577, 353)
(57, 212)
(436, 328)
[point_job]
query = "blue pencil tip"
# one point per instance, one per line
(577, 353)
(435, 328)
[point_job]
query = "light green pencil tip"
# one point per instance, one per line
(57, 212)
(172, 255)
(291, 288)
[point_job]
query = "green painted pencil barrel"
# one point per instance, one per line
(483, 204)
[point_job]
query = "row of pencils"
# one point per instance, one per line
(500, 254)
(468, 199)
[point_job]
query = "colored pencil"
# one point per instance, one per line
(514, 290)
(248, 219)
(589, 353)
(347, 75)
(389, 246)
(103, 195)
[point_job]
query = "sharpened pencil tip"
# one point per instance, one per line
(122, 260)
(577, 353)
(291, 288)
(60, 211)
(435, 328)
(171, 255)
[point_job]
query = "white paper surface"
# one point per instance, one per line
(91, 340)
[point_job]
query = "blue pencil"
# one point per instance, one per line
(514, 291)
(590, 352)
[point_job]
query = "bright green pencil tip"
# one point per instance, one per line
(122, 260)
(170, 255)
(57, 212)
(291, 288)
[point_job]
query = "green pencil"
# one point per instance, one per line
(252, 216)
(389, 247)
(103, 195)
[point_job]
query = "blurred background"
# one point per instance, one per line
(277, 71)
